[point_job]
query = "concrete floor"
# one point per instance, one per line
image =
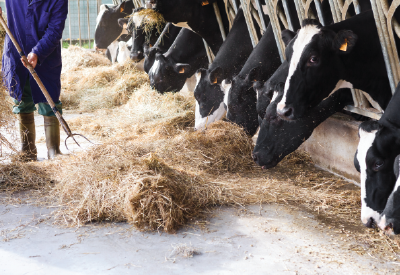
(267, 240)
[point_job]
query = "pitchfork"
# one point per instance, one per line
(42, 87)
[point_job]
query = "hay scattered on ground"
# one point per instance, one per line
(95, 84)
(75, 58)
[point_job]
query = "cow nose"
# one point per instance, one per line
(370, 223)
(137, 56)
(285, 113)
(255, 157)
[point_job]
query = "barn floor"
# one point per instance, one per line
(267, 239)
(259, 239)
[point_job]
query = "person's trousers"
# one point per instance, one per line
(26, 105)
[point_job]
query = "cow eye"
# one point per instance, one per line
(378, 164)
(313, 59)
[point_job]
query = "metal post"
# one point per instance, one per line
(249, 22)
(210, 59)
(219, 19)
(88, 20)
(319, 12)
(275, 27)
(69, 23)
(235, 7)
(79, 23)
(261, 15)
(288, 15)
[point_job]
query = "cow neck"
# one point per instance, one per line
(390, 117)
(368, 54)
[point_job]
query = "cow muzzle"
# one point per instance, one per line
(286, 113)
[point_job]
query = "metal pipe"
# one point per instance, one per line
(334, 15)
(261, 15)
(276, 29)
(219, 19)
(249, 23)
(383, 45)
(319, 12)
(210, 59)
(282, 17)
(357, 7)
(299, 10)
(235, 7)
(88, 19)
(79, 23)
(69, 23)
(288, 15)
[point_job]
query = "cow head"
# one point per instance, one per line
(374, 159)
(390, 217)
(242, 101)
(209, 95)
(107, 28)
(314, 67)
(166, 75)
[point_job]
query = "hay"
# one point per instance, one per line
(76, 57)
(151, 19)
(90, 88)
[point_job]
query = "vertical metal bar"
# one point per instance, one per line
(319, 12)
(333, 11)
(276, 29)
(79, 23)
(261, 15)
(288, 15)
(210, 60)
(69, 23)
(299, 10)
(98, 6)
(249, 23)
(88, 20)
(383, 45)
(219, 19)
(357, 7)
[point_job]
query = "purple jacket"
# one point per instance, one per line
(38, 28)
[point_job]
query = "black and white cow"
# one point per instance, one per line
(210, 95)
(107, 27)
(242, 99)
(124, 50)
(278, 138)
(323, 59)
(197, 15)
(378, 147)
(171, 69)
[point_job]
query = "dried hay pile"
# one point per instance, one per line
(94, 84)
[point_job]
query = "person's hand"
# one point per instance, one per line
(32, 59)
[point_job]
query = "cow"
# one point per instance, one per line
(277, 137)
(124, 50)
(389, 219)
(323, 59)
(112, 51)
(209, 93)
(107, 27)
(171, 69)
(242, 100)
(197, 15)
(378, 147)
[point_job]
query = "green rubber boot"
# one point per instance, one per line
(52, 131)
(28, 135)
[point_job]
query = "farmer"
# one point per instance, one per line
(37, 26)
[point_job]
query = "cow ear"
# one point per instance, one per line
(122, 7)
(181, 68)
(287, 36)
(123, 22)
(254, 74)
(344, 41)
(107, 7)
(215, 76)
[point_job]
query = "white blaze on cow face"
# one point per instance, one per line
(226, 88)
(274, 96)
(215, 115)
(366, 140)
(156, 66)
(303, 39)
(123, 52)
(137, 19)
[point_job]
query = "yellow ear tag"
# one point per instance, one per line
(344, 46)
(121, 9)
(182, 70)
(204, 3)
(150, 45)
(215, 81)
